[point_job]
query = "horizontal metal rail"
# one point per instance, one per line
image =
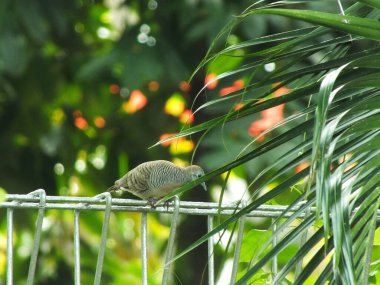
(28, 201)
(37, 200)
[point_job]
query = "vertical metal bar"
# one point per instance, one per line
(103, 240)
(144, 259)
(238, 247)
(9, 246)
(211, 276)
(274, 243)
(170, 246)
(76, 248)
(37, 238)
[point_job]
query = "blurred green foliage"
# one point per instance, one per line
(69, 125)
(86, 87)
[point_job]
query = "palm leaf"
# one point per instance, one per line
(337, 132)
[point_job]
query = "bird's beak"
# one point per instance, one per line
(204, 186)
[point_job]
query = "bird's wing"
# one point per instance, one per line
(138, 179)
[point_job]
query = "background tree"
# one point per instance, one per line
(86, 87)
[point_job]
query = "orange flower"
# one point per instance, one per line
(184, 86)
(187, 117)
(136, 102)
(210, 81)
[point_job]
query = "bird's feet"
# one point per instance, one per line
(153, 203)
(166, 204)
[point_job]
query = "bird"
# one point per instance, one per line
(153, 180)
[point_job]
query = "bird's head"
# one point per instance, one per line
(196, 172)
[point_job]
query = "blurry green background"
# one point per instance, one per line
(86, 87)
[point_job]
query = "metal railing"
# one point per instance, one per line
(104, 202)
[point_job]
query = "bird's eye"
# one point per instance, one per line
(199, 175)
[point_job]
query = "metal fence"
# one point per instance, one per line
(104, 202)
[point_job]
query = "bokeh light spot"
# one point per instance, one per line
(210, 81)
(187, 117)
(237, 85)
(80, 123)
(165, 136)
(136, 102)
(238, 106)
(269, 67)
(303, 165)
(103, 33)
(142, 38)
(114, 89)
(59, 169)
(58, 116)
(153, 86)
(99, 122)
(79, 28)
(184, 86)
(152, 4)
(175, 105)
(80, 165)
(181, 146)
(151, 41)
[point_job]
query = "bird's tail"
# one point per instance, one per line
(112, 188)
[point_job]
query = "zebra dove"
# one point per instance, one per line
(154, 179)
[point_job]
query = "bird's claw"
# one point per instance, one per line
(166, 204)
(153, 203)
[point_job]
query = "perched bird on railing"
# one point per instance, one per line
(155, 179)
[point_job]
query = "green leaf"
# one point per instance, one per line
(373, 3)
(359, 26)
